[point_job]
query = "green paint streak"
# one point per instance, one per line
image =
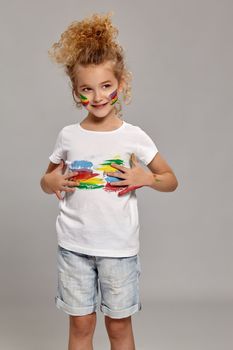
(114, 102)
(84, 98)
(89, 186)
(109, 161)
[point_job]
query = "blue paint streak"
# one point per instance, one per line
(78, 164)
(112, 179)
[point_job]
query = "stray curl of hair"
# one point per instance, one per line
(92, 41)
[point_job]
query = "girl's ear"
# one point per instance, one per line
(76, 94)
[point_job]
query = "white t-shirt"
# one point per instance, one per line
(93, 219)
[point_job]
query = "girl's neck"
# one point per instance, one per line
(108, 123)
(101, 125)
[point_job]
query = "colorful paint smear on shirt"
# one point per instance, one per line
(88, 179)
(107, 168)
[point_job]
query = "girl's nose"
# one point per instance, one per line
(97, 97)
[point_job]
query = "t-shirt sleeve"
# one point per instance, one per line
(58, 151)
(146, 148)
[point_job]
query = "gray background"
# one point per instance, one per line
(180, 53)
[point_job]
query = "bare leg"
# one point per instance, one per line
(81, 332)
(120, 333)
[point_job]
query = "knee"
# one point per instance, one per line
(117, 327)
(83, 326)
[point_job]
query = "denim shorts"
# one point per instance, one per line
(81, 276)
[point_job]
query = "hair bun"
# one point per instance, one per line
(95, 32)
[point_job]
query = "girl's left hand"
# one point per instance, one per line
(134, 177)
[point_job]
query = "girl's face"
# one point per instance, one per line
(98, 88)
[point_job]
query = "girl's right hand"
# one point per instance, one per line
(57, 182)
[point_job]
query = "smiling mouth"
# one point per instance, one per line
(99, 106)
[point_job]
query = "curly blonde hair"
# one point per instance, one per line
(92, 41)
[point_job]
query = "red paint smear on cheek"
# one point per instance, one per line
(85, 103)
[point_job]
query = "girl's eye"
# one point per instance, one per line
(87, 89)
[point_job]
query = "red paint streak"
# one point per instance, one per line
(83, 174)
(111, 188)
(128, 189)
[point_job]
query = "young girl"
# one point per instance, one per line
(96, 164)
